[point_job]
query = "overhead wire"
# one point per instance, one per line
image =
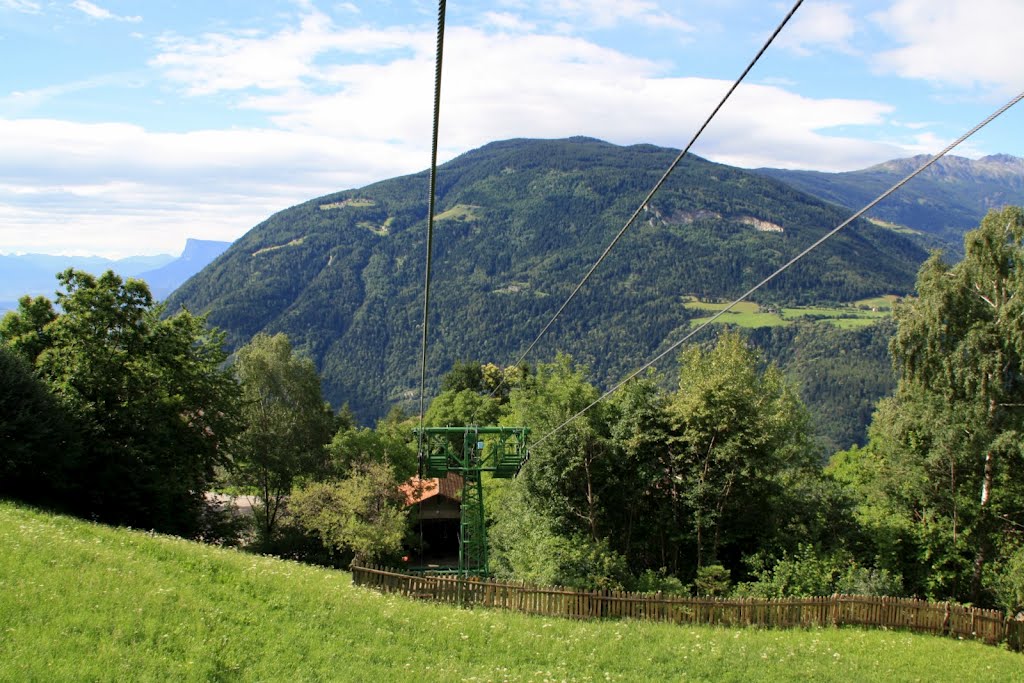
(827, 236)
(657, 186)
(441, 6)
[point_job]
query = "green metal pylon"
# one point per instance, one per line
(499, 450)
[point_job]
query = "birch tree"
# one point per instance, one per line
(286, 422)
(961, 342)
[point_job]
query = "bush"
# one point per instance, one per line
(712, 581)
(362, 514)
(806, 573)
(660, 582)
(857, 580)
(1009, 583)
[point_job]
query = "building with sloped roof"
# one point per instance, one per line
(436, 504)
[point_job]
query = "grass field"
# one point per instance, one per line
(80, 601)
(358, 202)
(749, 314)
(460, 211)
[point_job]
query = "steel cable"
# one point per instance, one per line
(441, 5)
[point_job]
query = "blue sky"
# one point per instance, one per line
(126, 127)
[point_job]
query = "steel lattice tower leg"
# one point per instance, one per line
(473, 545)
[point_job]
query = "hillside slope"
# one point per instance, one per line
(946, 201)
(518, 224)
(84, 602)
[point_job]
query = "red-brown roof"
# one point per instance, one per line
(417, 490)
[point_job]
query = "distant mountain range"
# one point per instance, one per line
(196, 256)
(518, 223)
(945, 201)
(35, 274)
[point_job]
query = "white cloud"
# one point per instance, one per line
(96, 12)
(780, 81)
(22, 101)
(611, 13)
(72, 186)
(956, 42)
(24, 6)
(824, 25)
(120, 189)
(506, 21)
(503, 86)
(219, 62)
(768, 126)
(350, 105)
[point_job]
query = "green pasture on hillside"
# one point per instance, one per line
(750, 314)
(84, 602)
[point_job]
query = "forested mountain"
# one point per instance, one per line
(841, 374)
(518, 224)
(947, 200)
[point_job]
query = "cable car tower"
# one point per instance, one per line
(469, 452)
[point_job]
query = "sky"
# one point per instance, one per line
(127, 126)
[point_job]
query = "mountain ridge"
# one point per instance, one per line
(35, 274)
(518, 223)
(945, 201)
(194, 257)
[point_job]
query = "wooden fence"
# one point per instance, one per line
(945, 618)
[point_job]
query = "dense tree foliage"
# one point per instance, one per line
(942, 479)
(37, 438)
(285, 423)
(151, 407)
(361, 514)
(26, 332)
(655, 483)
(735, 430)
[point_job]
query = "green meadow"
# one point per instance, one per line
(750, 314)
(84, 602)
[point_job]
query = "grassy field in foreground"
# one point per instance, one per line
(80, 601)
(749, 314)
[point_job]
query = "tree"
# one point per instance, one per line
(362, 513)
(956, 423)
(285, 422)
(735, 430)
(353, 446)
(464, 375)
(461, 408)
(527, 547)
(149, 399)
(37, 440)
(568, 475)
(25, 331)
(559, 521)
(650, 528)
(648, 481)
